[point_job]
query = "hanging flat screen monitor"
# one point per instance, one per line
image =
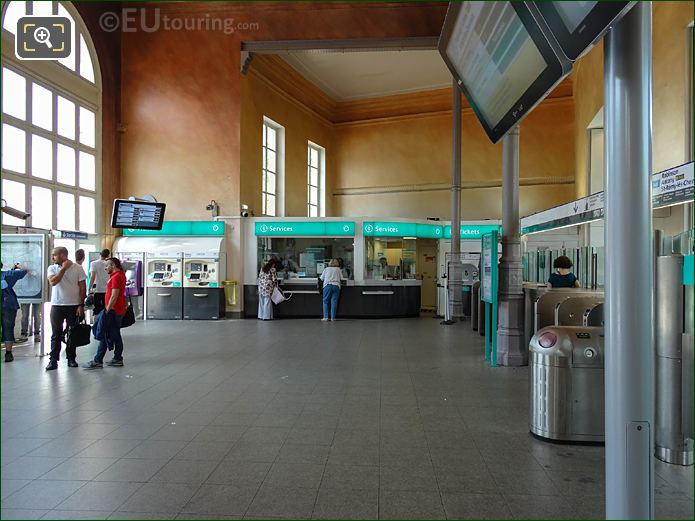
(578, 25)
(137, 215)
(501, 59)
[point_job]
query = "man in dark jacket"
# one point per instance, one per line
(10, 305)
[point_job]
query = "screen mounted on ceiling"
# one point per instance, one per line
(501, 59)
(578, 25)
(137, 215)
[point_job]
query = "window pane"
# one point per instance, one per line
(89, 247)
(41, 207)
(313, 195)
(66, 165)
(270, 205)
(42, 8)
(313, 211)
(87, 127)
(41, 107)
(14, 94)
(271, 163)
(270, 183)
(66, 118)
(271, 141)
(313, 157)
(87, 171)
(313, 177)
(69, 62)
(13, 194)
(13, 149)
(66, 211)
(86, 67)
(41, 157)
(87, 214)
(13, 13)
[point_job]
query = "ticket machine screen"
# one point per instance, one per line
(160, 266)
(158, 276)
(196, 266)
(195, 276)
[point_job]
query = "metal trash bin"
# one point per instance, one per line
(566, 383)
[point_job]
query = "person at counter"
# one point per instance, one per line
(331, 278)
(563, 277)
(267, 280)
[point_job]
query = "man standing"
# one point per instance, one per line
(114, 310)
(10, 307)
(98, 278)
(31, 322)
(67, 302)
(79, 257)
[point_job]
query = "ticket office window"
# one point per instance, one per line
(390, 258)
(306, 257)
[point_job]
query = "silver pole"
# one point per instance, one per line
(456, 173)
(512, 350)
(629, 365)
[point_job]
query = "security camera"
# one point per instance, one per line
(244, 210)
(19, 214)
(214, 208)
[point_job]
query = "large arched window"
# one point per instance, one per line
(51, 128)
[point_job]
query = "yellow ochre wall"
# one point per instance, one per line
(669, 73)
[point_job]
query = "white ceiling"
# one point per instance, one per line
(367, 74)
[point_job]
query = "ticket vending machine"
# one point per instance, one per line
(164, 286)
(203, 294)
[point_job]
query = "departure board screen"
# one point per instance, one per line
(501, 60)
(578, 25)
(137, 215)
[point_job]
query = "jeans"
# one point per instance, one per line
(331, 293)
(35, 318)
(8, 319)
(60, 314)
(112, 332)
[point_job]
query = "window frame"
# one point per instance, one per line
(321, 180)
(279, 172)
(69, 84)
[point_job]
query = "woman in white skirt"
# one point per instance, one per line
(267, 280)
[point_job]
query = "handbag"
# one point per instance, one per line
(279, 296)
(129, 316)
(78, 335)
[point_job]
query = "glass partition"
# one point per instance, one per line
(390, 258)
(306, 257)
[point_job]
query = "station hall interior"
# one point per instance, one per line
(291, 151)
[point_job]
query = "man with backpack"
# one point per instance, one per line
(10, 305)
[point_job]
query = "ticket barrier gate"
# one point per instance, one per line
(567, 383)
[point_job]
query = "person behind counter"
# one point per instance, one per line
(267, 280)
(331, 278)
(563, 278)
(10, 305)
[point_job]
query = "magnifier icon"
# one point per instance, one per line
(43, 35)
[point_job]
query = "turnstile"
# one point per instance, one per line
(566, 388)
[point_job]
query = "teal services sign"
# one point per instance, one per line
(304, 229)
(169, 228)
(397, 229)
(472, 231)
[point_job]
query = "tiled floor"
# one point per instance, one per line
(293, 419)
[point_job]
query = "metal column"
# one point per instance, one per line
(454, 269)
(512, 350)
(629, 268)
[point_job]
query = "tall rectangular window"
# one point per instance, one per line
(315, 181)
(271, 182)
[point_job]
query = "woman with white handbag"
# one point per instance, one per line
(267, 282)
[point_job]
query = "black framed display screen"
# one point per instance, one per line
(501, 60)
(137, 215)
(577, 25)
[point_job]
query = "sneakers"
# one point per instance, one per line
(93, 365)
(115, 363)
(324, 319)
(21, 339)
(72, 363)
(9, 356)
(37, 338)
(52, 365)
